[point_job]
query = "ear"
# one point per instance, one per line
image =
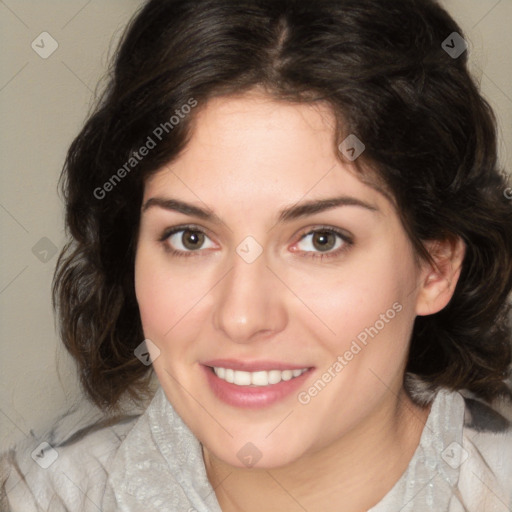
(438, 281)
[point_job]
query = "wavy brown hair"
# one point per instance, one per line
(430, 137)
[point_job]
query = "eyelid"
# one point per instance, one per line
(330, 229)
(347, 242)
(182, 227)
(169, 232)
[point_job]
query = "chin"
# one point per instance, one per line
(257, 455)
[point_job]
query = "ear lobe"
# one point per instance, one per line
(438, 281)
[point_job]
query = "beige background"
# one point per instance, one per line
(43, 103)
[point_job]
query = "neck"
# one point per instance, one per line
(356, 471)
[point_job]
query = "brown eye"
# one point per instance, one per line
(324, 240)
(192, 240)
(186, 240)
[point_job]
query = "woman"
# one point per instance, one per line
(292, 212)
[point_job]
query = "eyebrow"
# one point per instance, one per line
(288, 214)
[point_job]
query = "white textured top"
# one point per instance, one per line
(153, 462)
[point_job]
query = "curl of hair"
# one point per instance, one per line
(429, 135)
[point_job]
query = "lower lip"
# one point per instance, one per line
(253, 397)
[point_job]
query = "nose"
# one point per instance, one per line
(250, 301)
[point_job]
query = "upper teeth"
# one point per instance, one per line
(261, 378)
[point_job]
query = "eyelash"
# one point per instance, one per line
(347, 242)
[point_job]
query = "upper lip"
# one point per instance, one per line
(253, 366)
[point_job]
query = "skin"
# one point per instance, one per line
(249, 157)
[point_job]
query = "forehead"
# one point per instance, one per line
(252, 148)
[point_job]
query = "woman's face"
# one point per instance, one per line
(267, 276)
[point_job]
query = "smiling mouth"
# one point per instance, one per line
(267, 382)
(258, 378)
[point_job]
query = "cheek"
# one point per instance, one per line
(171, 298)
(157, 295)
(366, 296)
(371, 311)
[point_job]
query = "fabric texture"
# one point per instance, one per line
(153, 462)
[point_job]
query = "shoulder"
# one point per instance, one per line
(66, 468)
(486, 455)
(469, 442)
